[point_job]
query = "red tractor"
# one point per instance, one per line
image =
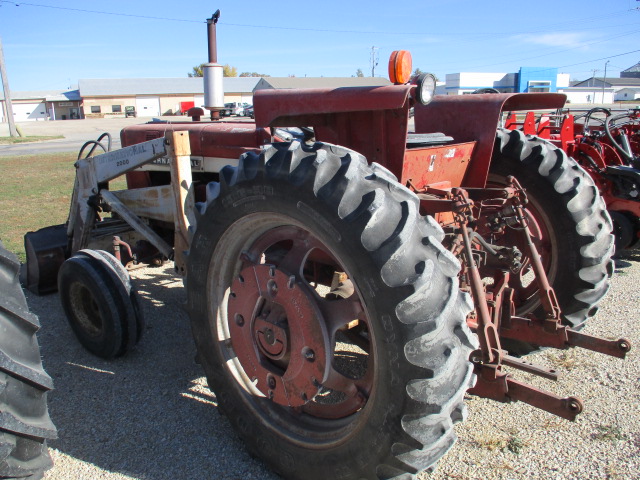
(348, 280)
(607, 145)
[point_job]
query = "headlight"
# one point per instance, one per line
(426, 88)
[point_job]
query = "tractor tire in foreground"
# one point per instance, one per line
(362, 379)
(569, 223)
(25, 425)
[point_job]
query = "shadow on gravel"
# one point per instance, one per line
(624, 258)
(145, 415)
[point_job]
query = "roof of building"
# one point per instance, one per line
(614, 82)
(321, 82)
(97, 87)
(46, 95)
(633, 69)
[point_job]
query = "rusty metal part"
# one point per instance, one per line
(494, 384)
(494, 315)
(544, 334)
(117, 243)
(486, 328)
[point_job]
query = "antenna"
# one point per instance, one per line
(374, 60)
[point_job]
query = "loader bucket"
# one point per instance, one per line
(46, 250)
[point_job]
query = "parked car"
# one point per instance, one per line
(232, 108)
(248, 111)
(130, 111)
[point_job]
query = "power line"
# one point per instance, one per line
(322, 30)
(598, 59)
(18, 4)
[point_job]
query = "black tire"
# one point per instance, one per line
(100, 306)
(25, 425)
(136, 321)
(623, 230)
(566, 203)
(405, 280)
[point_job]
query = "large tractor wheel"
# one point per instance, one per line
(569, 223)
(360, 379)
(25, 425)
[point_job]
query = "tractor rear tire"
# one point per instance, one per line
(265, 219)
(25, 425)
(576, 245)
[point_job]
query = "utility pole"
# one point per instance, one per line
(605, 79)
(374, 60)
(13, 132)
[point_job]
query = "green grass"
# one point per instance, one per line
(35, 192)
(10, 140)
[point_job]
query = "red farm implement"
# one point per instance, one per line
(607, 145)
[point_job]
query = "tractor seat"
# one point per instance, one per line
(418, 140)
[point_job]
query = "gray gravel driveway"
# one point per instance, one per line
(149, 416)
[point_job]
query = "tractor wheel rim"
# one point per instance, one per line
(283, 331)
(85, 309)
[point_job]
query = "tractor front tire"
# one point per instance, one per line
(100, 303)
(570, 225)
(25, 425)
(274, 344)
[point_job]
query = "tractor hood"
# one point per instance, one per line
(313, 106)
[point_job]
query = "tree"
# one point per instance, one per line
(253, 74)
(197, 71)
(417, 72)
(359, 73)
(229, 71)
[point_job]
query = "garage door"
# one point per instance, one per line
(198, 100)
(23, 112)
(148, 106)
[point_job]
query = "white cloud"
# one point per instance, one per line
(567, 39)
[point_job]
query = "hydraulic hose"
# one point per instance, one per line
(625, 152)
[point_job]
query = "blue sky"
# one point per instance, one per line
(51, 48)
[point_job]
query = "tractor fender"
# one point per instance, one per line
(469, 118)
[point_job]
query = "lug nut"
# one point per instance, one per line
(309, 354)
(239, 320)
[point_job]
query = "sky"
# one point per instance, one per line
(51, 44)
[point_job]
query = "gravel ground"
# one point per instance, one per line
(150, 416)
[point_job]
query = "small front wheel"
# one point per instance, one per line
(100, 303)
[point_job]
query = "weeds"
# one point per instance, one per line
(511, 443)
(611, 433)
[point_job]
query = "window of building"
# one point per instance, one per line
(116, 108)
(95, 108)
(539, 86)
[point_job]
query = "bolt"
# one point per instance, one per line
(240, 278)
(269, 336)
(271, 381)
(309, 354)
(239, 320)
(272, 288)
